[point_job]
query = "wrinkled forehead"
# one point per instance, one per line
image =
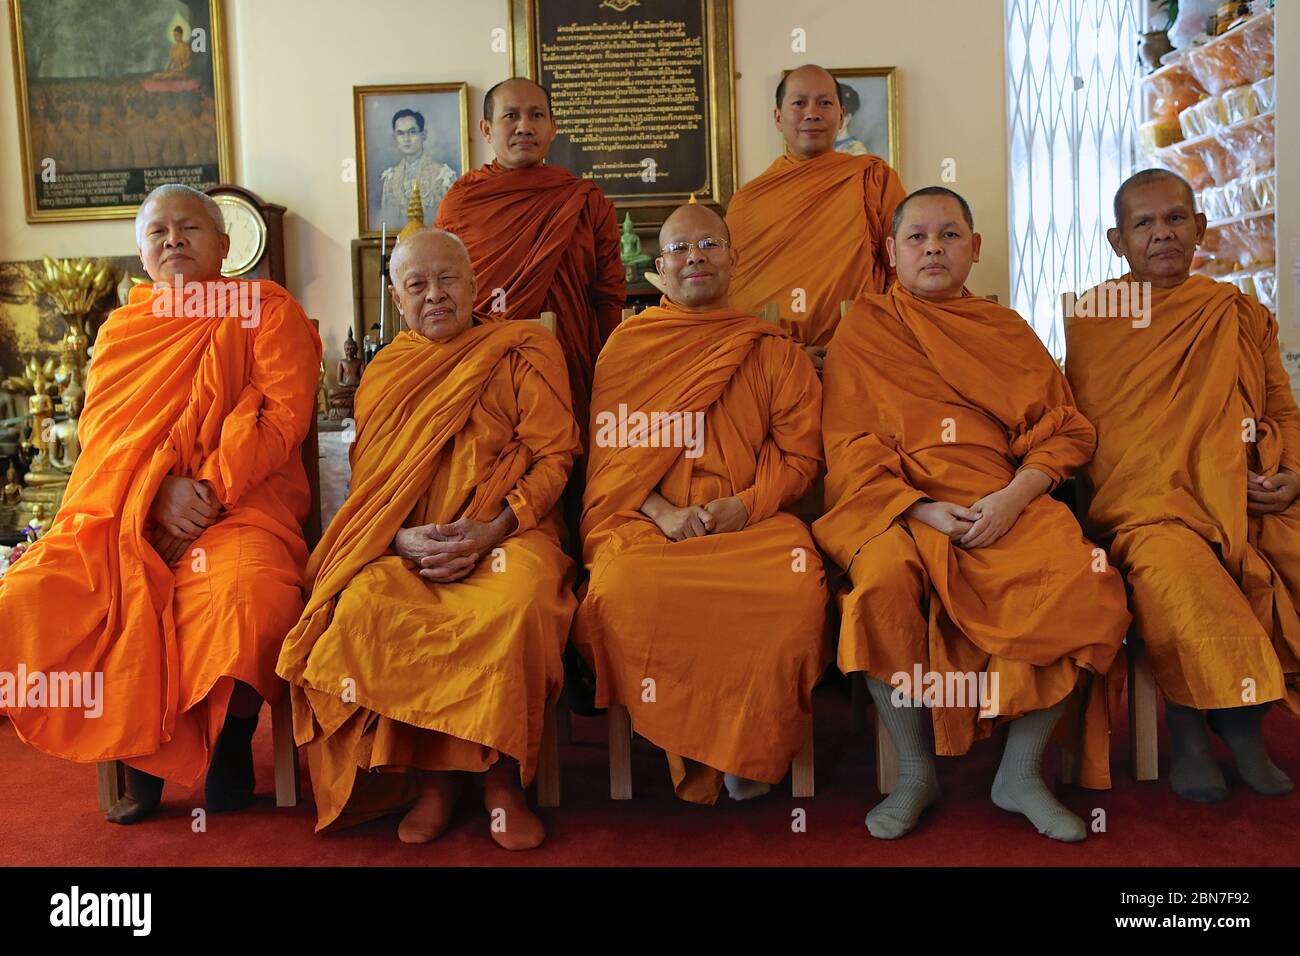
(173, 208)
(1161, 195)
(428, 256)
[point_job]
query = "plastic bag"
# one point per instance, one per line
(1263, 186)
(1252, 145)
(1154, 134)
(1239, 103)
(1266, 288)
(1257, 40)
(1265, 93)
(1220, 65)
(1173, 91)
(1213, 203)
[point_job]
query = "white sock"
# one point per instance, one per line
(739, 788)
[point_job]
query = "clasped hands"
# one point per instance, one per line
(695, 521)
(449, 552)
(989, 518)
(182, 510)
(1270, 495)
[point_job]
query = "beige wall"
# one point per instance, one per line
(293, 64)
(1288, 174)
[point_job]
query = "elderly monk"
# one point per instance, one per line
(173, 567)
(440, 596)
(946, 422)
(540, 239)
(810, 231)
(1194, 483)
(704, 611)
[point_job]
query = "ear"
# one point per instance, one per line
(485, 128)
(225, 245)
(1201, 223)
(1116, 240)
(889, 248)
(659, 265)
(776, 117)
(975, 240)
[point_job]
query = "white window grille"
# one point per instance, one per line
(1072, 117)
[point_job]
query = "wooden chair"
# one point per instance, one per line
(802, 782)
(1143, 702)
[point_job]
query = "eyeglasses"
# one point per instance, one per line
(705, 245)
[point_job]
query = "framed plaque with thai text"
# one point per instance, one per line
(642, 92)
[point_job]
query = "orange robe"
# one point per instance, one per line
(1214, 590)
(389, 671)
(727, 626)
(203, 398)
(949, 401)
(542, 240)
(818, 225)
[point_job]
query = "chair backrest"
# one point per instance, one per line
(627, 314)
(769, 313)
(311, 529)
(547, 321)
(845, 305)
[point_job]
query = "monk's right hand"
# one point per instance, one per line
(184, 508)
(436, 556)
(678, 524)
(945, 517)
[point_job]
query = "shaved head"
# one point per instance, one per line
(490, 97)
(691, 215)
(433, 284)
(695, 278)
(808, 70)
(1145, 178)
(932, 191)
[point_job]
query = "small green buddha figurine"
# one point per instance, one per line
(635, 261)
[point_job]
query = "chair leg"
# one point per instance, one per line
(563, 723)
(620, 752)
(858, 701)
(886, 759)
(111, 777)
(1144, 747)
(548, 766)
(802, 782)
(286, 753)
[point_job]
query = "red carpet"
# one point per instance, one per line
(49, 817)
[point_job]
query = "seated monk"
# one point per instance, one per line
(946, 422)
(1194, 483)
(440, 598)
(705, 607)
(174, 564)
(810, 230)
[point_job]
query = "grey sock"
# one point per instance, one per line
(918, 785)
(1241, 729)
(1018, 785)
(1193, 774)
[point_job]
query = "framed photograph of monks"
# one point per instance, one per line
(408, 135)
(642, 92)
(116, 97)
(870, 99)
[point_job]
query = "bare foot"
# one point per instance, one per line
(432, 812)
(513, 823)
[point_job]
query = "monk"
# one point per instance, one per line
(704, 611)
(172, 569)
(540, 239)
(810, 231)
(1194, 483)
(946, 424)
(440, 597)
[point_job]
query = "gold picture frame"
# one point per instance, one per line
(715, 180)
(888, 94)
(150, 90)
(376, 109)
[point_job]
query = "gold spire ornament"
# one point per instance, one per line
(414, 215)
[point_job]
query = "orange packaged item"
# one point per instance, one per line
(1154, 134)
(1239, 104)
(1257, 43)
(1173, 90)
(1251, 143)
(1219, 65)
(1265, 93)
(1264, 187)
(1185, 163)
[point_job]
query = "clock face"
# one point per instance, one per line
(247, 231)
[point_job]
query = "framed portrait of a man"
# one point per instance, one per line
(870, 100)
(406, 135)
(116, 97)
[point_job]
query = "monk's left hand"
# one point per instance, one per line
(729, 514)
(169, 547)
(817, 354)
(1271, 495)
(998, 513)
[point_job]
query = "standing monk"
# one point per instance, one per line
(946, 422)
(705, 607)
(440, 596)
(810, 231)
(539, 238)
(1194, 483)
(173, 566)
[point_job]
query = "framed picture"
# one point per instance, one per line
(642, 92)
(870, 98)
(408, 134)
(116, 97)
